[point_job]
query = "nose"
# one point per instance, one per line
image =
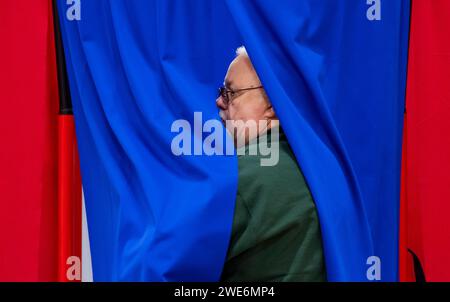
(220, 103)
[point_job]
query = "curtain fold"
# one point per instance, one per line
(337, 82)
(29, 145)
(426, 161)
(336, 77)
(135, 67)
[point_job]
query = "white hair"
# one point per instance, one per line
(241, 51)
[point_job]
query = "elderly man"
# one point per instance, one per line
(275, 233)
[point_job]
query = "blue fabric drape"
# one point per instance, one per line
(134, 68)
(337, 83)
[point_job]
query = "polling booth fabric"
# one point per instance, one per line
(29, 151)
(70, 219)
(335, 72)
(426, 163)
(134, 68)
(39, 171)
(39, 176)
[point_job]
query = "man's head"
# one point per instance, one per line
(244, 100)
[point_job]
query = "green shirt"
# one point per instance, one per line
(275, 233)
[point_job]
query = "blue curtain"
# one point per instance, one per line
(336, 80)
(134, 68)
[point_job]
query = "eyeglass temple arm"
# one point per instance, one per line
(244, 89)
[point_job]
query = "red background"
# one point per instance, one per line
(425, 220)
(28, 153)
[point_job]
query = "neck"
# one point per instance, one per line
(266, 127)
(261, 129)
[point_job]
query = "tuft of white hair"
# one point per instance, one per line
(241, 51)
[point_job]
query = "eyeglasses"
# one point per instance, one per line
(228, 95)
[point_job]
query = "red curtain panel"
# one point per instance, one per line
(425, 201)
(39, 178)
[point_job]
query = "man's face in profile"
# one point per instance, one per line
(247, 105)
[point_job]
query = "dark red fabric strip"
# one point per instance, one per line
(69, 203)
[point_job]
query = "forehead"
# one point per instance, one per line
(240, 72)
